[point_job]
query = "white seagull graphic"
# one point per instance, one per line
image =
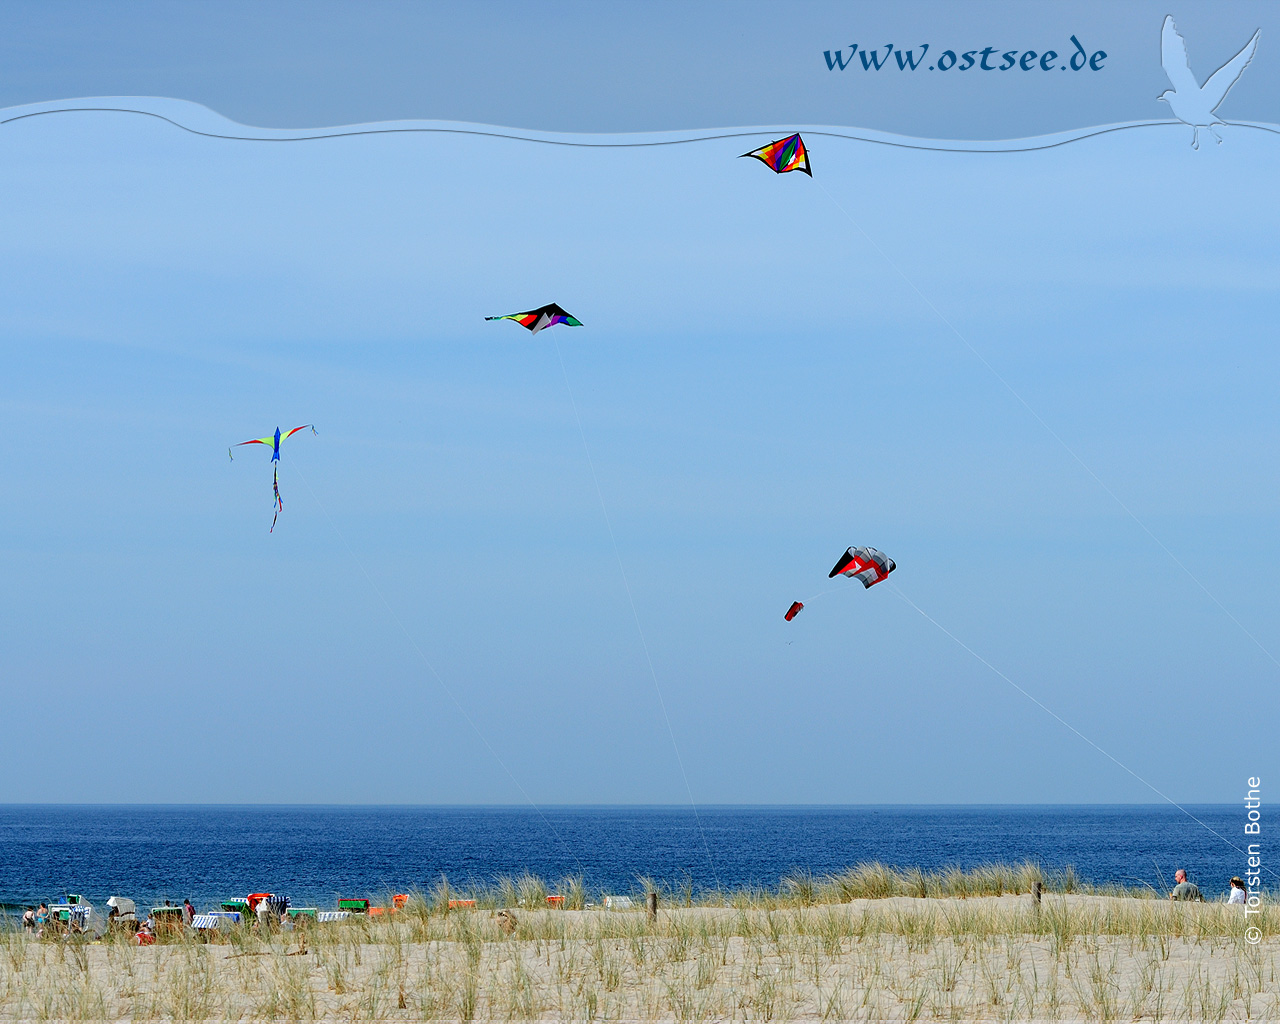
(1191, 102)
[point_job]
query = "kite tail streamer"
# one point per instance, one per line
(279, 505)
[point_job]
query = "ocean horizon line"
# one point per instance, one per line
(665, 808)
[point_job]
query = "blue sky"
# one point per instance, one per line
(759, 388)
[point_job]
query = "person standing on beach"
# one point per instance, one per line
(1184, 890)
(29, 920)
(188, 911)
(1237, 892)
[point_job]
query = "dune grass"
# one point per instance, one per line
(955, 946)
(800, 889)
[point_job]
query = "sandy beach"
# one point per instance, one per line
(982, 958)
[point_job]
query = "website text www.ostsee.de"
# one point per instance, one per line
(989, 58)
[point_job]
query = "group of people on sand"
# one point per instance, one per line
(1186, 891)
(36, 921)
(146, 933)
(34, 918)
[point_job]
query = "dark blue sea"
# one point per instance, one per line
(314, 854)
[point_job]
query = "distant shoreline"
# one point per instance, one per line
(315, 854)
(868, 881)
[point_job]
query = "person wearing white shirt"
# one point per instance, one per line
(1237, 892)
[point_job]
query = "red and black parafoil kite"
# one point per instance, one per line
(866, 565)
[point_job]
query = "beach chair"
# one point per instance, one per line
(125, 908)
(169, 920)
(210, 926)
(89, 921)
(397, 901)
(59, 919)
(618, 903)
(354, 906)
(555, 902)
(126, 918)
(255, 898)
(327, 916)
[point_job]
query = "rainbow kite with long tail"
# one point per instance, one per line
(274, 441)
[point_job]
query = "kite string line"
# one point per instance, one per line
(634, 613)
(820, 593)
(432, 669)
(1052, 433)
(1070, 451)
(1062, 721)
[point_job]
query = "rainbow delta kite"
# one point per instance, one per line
(274, 441)
(533, 320)
(787, 154)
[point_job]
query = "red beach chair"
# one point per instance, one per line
(255, 898)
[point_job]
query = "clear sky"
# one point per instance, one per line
(759, 389)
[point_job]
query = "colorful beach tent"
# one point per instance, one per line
(867, 565)
(533, 320)
(785, 155)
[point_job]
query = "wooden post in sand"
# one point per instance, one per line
(651, 905)
(1036, 888)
